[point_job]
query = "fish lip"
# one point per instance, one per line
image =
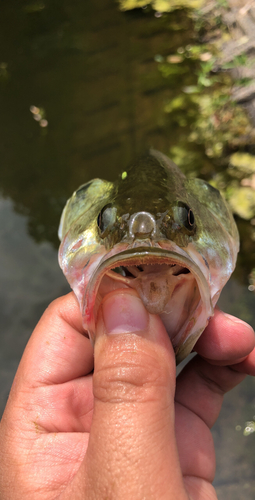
(136, 256)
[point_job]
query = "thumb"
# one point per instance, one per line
(132, 450)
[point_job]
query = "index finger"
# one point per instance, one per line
(226, 340)
(203, 382)
(57, 350)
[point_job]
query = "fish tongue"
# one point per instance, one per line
(155, 290)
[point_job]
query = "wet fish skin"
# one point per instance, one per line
(151, 216)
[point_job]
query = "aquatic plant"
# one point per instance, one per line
(161, 5)
(211, 118)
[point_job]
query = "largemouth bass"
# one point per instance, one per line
(172, 239)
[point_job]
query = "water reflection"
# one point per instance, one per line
(30, 278)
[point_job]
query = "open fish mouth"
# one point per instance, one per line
(169, 284)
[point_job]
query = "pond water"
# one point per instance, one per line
(83, 90)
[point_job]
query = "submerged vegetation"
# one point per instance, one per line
(215, 121)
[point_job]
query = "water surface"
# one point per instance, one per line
(94, 74)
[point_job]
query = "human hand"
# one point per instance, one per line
(127, 441)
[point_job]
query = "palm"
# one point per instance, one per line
(67, 425)
(63, 432)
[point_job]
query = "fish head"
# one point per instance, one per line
(171, 239)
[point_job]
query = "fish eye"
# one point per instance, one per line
(185, 216)
(106, 218)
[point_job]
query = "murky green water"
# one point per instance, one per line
(98, 79)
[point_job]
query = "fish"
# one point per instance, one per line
(171, 239)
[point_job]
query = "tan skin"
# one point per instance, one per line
(129, 440)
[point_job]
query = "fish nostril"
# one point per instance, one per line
(142, 225)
